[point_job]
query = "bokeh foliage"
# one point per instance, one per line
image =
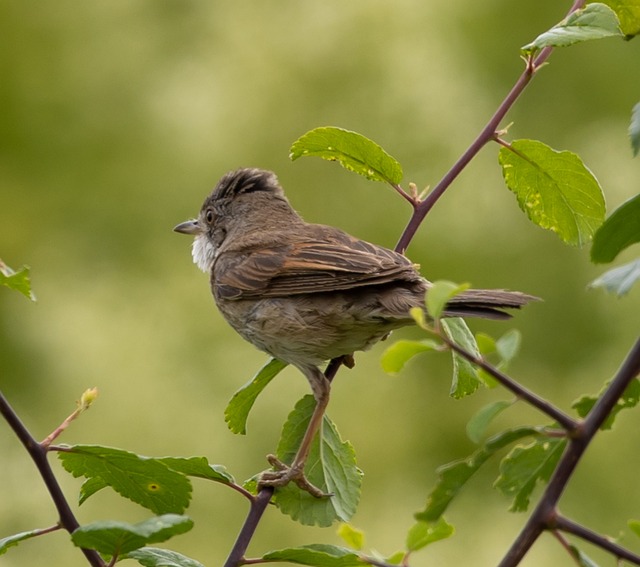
(116, 120)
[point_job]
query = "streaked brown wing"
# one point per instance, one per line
(313, 265)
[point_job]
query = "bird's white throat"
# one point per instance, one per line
(203, 252)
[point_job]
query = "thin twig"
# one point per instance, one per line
(523, 393)
(567, 546)
(571, 527)
(409, 198)
(49, 530)
(38, 454)
(486, 135)
(256, 561)
(84, 403)
(250, 497)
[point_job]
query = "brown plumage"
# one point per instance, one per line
(306, 293)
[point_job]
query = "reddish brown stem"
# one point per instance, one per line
(258, 506)
(487, 134)
(545, 515)
(510, 384)
(38, 454)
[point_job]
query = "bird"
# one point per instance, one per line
(308, 293)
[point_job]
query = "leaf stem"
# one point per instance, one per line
(410, 199)
(250, 497)
(50, 529)
(38, 454)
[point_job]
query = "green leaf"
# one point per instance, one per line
(399, 353)
(480, 421)
(15, 539)
(595, 21)
(146, 481)
(628, 400)
(396, 558)
(198, 467)
(620, 230)
(115, 538)
(628, 12)
(19, 281)
(352, 150)
(582, 559)
(634, 130)
(240, 405)
(331, 466)
(90, 487)
(352, 536)
(635, 526)
(508, 345)
(619, 280)
(486, 343)
(453, 476)
(419, 316)
(156, 557)
(555, 189)
(524, 466)
(465, 377)
(424, 533)
(439, 294)
(318, 555)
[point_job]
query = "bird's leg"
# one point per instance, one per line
(295, 471)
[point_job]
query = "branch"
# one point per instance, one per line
(38, 454)
(545, 515)
(569, 526)
(487, 134)
(523, 393)
(258, 506)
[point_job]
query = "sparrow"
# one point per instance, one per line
(308, 293)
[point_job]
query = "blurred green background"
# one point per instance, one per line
(117, 118)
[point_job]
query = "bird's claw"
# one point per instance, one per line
(284, 474)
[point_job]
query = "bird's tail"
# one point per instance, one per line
(487, 303)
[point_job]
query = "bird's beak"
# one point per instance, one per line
(188, 227)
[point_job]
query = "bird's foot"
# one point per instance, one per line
(284, 474)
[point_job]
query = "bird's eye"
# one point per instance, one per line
(209, 216)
